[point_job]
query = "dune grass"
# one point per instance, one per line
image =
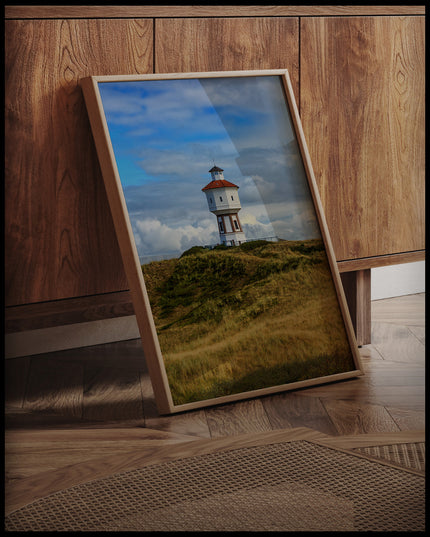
(230, 320)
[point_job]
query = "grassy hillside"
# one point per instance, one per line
(240, 318)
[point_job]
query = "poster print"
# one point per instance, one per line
(230, 251)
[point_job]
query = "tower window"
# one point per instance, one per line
(220, 198)
(236, 225)
(232, 198)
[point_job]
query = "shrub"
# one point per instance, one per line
(194, 250)
(252, 245)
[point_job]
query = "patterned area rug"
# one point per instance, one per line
(288, 486)
(410, 455)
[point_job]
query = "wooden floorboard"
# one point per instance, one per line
(192, 423)
(407, 419)
(239, 418)
(407, 310)
(40, 484)
(397, 343)
(350, 417)
(54, 387)
(376, 439)
(112, 394)
(16, 375)
(286, 410)
(66, 410)
(32, 452)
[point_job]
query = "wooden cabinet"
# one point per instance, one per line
(362, 107)
(224, 44)
(358, 80)
(60, 241)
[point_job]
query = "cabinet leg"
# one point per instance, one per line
(356, 285)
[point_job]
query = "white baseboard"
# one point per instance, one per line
(70, 336)
(398, 280)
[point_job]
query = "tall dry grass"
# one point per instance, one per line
(238, 319)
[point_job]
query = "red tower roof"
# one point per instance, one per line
(218, 183)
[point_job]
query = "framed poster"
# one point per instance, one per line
(225, 246)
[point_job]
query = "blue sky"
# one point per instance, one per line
(167, 134)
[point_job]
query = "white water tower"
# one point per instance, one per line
(223, 201)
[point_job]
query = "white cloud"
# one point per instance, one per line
(114, 103)
(153, 237)
(254, 228)
(173, 104)
(294, 220)
(192, 162)
(248, 191)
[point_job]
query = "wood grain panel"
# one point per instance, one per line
(239, 418)
(111, 393)
(406, 310)
(68, 311)
(60, 240)
(287, 409)
(16, 374)
(31, 452)
(361, 440)
(192, 423)
(397, 343)
(407, 419)
(419, 332)
(357, 289)
(362, 108)
(205, 11)
(54, 389)
(222, 44)
(381, 261)
(44, 483)
(353, 418)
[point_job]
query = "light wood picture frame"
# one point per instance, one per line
(222, 233)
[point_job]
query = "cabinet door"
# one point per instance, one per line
(362, 108)
(223, 44)
(60, 240)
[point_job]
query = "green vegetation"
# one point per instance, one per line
(236, 319)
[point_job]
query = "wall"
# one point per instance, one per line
(397, 280)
